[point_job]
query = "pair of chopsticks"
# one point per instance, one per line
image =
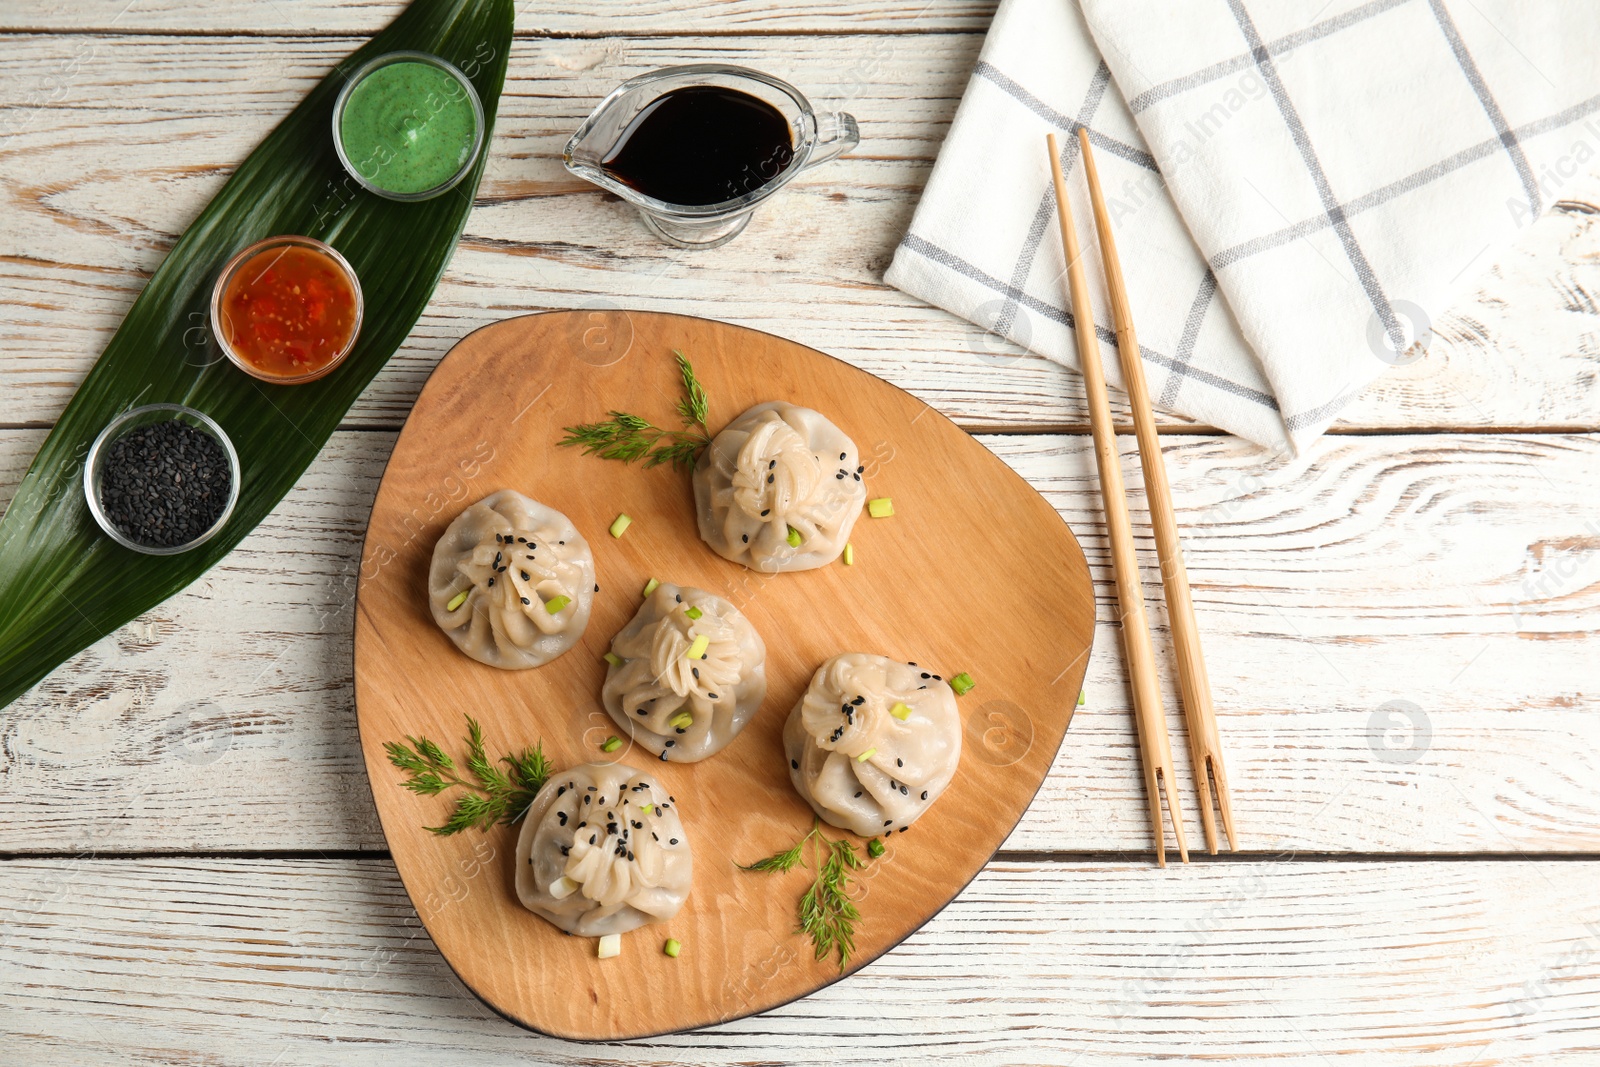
(1155, 750)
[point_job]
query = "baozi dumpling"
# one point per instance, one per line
(602, 851)
(853, 708)
(514, 559)
(679, 708)
(779, 468)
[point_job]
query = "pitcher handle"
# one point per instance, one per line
(837, 133)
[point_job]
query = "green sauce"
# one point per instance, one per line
(408, 127)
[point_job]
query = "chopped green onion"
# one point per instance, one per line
(556, 603)
(672, 947)
(868, 754)
(693, 612)
(849, 554)
(880, 508)
(1082, 700)
(793, 538)
(613, 659)
(681, 721)
(697, 649)
(648, 809)
(650, 587)
(563, 887)
(457, 600)
(961, 683)
(612, 744)
(900, 711)
(875, 848)
(620, 524)
(610, 945)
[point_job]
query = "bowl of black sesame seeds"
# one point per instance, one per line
(161, 479)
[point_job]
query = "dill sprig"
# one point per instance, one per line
(495, 796)
(827, 912)
(629, 437)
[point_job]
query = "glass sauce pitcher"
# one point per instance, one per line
(816, 138)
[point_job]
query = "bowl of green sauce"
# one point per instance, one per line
(408, 125)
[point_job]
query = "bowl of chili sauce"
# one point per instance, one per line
(287, 309)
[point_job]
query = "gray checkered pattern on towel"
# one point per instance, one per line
(1341, 172)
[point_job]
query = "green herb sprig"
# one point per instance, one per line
(496, 796)
(827, 912)
(630, 437)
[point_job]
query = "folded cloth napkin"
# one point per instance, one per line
(984, 243)
(1339, 178)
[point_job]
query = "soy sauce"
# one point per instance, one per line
(701, 145)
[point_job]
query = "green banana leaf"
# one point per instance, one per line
(63, 584)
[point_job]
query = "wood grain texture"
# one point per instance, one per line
(1458, 573)
(106, 153)
(590, 18)
(1372, 964)
(974, 572)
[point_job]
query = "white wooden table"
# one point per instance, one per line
(191, 870)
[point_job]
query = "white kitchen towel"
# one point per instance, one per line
(1346, 173)
(984, 243)
(1342, 173)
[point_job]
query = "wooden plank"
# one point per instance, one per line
(1414, 569)
(312, 961)
(1034, 626)
(590, 18)
(120, 153)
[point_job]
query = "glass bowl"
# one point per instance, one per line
(94, 467)
(231, 268)
(384, 60)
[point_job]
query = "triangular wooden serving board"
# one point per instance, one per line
(975, 572)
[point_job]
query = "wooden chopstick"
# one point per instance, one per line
(1205, 749)
(1155, 751)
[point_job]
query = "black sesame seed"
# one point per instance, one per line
(637, 825)
(592, 838)
(491, 581)
(840, 476)
(630, 855)
(766, 512)
(860, 469)
(858, 477)
(597, 588)
(886, 822)
(525, 576)
(672, 840)
(682, 730)
(841, 457)
(525, 600)
(904, 791)
(560, 542)
(643, 712)
(680, 598)
(745, 538)
(671, 743)
(937, 678)
(561, 790)
(663, 757)
(925, 674)
(565, 849)
(899, 762)
(859, 700)
(587, 799)
(712, 696)
(653, 836)
(924, 794)
(497, 559)
(796, 765)
(769, 479)
(562, 816)
(858, 794)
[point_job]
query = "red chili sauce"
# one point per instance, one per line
(289, 311)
